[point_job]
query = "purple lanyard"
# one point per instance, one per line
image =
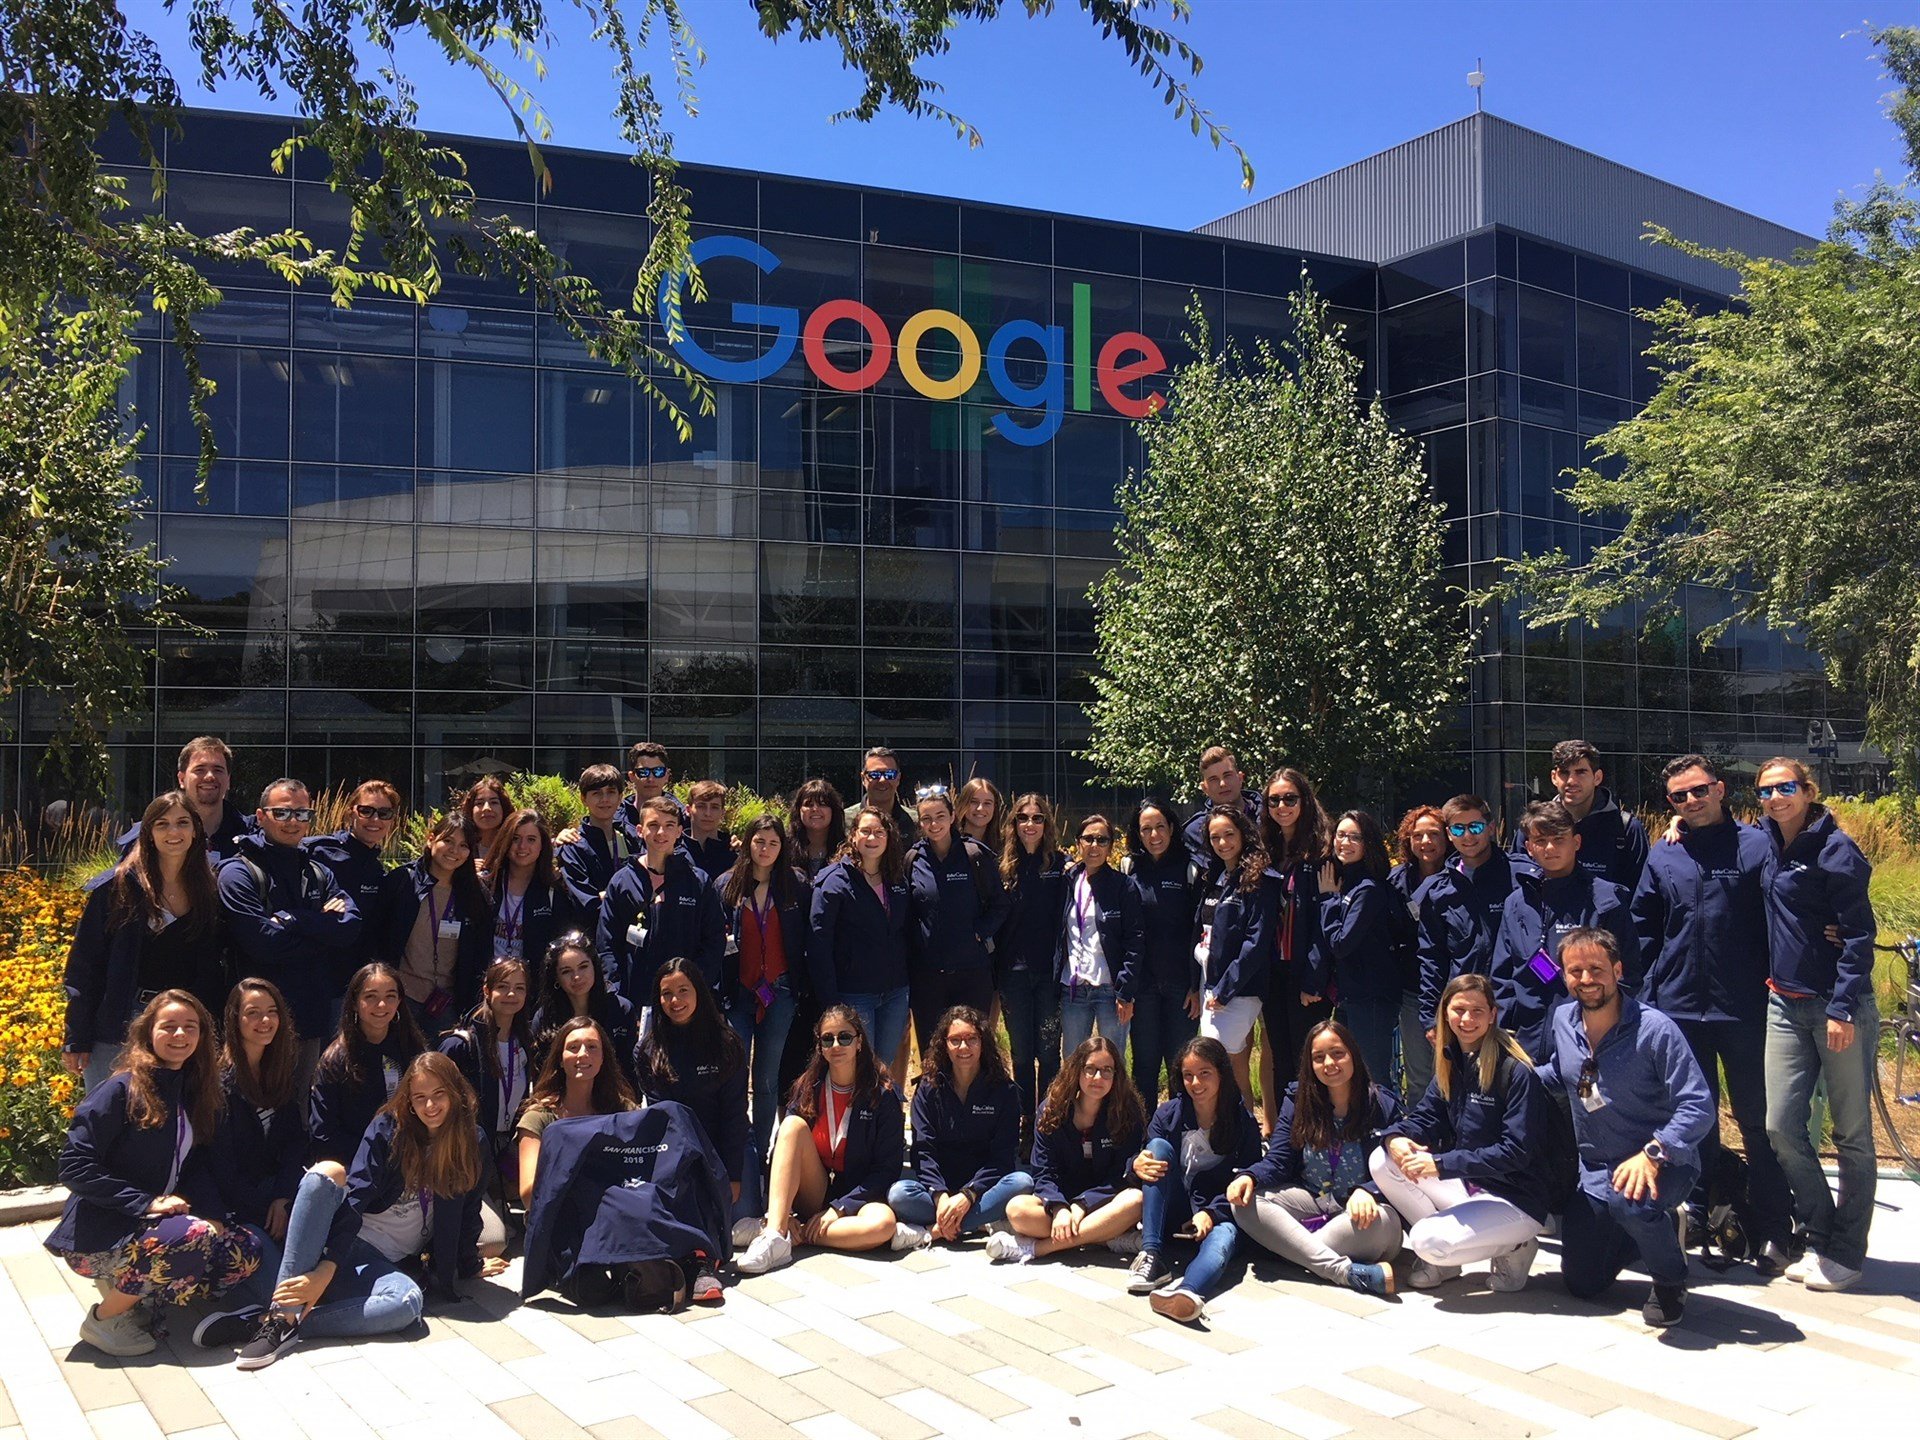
(441, 918)
(506, 1080)
(182, 1136)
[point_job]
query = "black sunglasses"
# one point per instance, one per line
(375, 812)
(1282, 802)
(839, 1038)
(1692, 792)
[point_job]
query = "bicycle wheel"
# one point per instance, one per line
(1895, 1026)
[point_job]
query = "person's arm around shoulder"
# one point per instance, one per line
(1848, 875)
(86, 977)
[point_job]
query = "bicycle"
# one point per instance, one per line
(1903, 1027)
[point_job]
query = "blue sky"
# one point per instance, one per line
(1767, 105)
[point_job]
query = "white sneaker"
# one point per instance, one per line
(1830, 1274)
(1510, 1270)
(1127, 1242)
(1427, 1277)
(768, 1250)
(910, 1237)
(1008, 1246)
(745, 1229)
(1808, 1264)
(118, 1335)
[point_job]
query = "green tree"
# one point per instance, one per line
(1780, 458)
(81, 262)
(1278, 587)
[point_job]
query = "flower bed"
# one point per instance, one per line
(37, 920)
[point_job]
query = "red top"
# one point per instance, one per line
(830, 1127)
(763, 950)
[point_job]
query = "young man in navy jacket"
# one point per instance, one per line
(1458, 910)
(204, 776)
(353, 855)
(589, 861)
(1536, 920)
(1700, 911)
(1613, 844)
(658, 907)
(1223, 783)
(1640, 1111)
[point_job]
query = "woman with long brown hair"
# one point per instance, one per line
(153, 923)
(493, 1050)
(982, 813)
(483, 810)
(819, 826)
(857, 951)
(578, 1077)
(764, 900)
(1298, 838)
(1233, 938)
(1083, 1194)
(1032, 869)
(439, 927)
(530, 904)
(360, 1068)
(261, 1145)
(415, 1189)
(1422, 834)
(145, 1217)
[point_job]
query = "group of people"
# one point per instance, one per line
(637, 1044)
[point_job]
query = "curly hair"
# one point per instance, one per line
(1125, 1113)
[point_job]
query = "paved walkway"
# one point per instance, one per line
(937, 1343)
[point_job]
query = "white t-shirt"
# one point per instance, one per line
(400, 1231)
(1197, 1152)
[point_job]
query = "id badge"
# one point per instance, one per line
(1545, 969)
(636, 935)
(1594, 1100)
(450, 928)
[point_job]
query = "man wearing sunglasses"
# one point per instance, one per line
(1458, 910)
(1613, 844)
(354, 855)
(1700, 910)
(289, 920)
(1640, 1111)
(880, 790)
(205, 775)
(648, 775)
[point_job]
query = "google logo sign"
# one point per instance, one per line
(1124, 359)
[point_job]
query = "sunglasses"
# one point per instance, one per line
(649, 772)
(1096, 840)
(284, 813)
(1692, 792)
(930, 792)
(839, 1038)
(1282, 802)
(375, 812)
(1471, 827)
(877, 776)
(1787, 789)
(1589, 1075)
(1029, 819)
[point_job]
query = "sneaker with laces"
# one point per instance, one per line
(118, 1335)
(1424, 1276)
(706, 1287)
(1370, 1279)
(274, 1335)
(1127, 1242)
(1830, 1274)
(1177, 1303)
(1806, 1265)
(1010, 1247)
(769, 1251)
(1665, 1305)
(745, 1229)
(910, 1237)
(221, 1329)
(1149, 1273)
(1510, 1270)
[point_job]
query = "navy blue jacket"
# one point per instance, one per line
(1652, 1085)
(959, 906)
(1820, 880)
(716, 1096)
(374, 1184)
(1240, 948)
(543, 914)
(339, 1108)
(463, 1046)
(1169, 889)
(103, 970)
(1487, 1137)
(686, 924)
(715, 855)
(969, 1144)
(876, 1144)
(627, 821)
(1361, 934)
(617, 1017)
(1404, 880)
(1613, 844)
(1207, 1190)
(1459, 921)
(408, 888)
(587, 867)
(220, 844)
(1701, 911)
(1118, 920)
(1194, 832)
(1027, 939)
(1536, 920)
(621, 1189)
(259, 1158)
(286, 935)
(113, 1169)
(1280, 1167)
(1071, 1169)
(794, 922)
(856, 945)
(1301, 962)
(357, 869)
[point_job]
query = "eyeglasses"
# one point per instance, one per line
(1692, 792)
(1097, 1072)
(839, 1037)
(375, 812)
(284, 813)
(1589, 1076)
(963, 1042)
(934, 791)
(1098, 841)
(1029, 819)
(649, 772)
(1471, 827)
(877, 776)
(1282, 802)
(1786, 789)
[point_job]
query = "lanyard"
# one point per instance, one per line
(182, 1142)
(440, 918)
(1082, 903)
(837, 1126)
(506, 1078)
(510, 918)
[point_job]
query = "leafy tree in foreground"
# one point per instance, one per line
(1781, 454)
(80, 262)
(1278, 587)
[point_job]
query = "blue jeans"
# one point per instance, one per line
(1373, 1023)
(913, 1202)
(885, 1016)
(1212, 1269)
(1599, 1237)
(1416, 1051)
(1797, 1056)
(367, 1295)
(1161, 1026)
(765, 1040)
(1080, 1007)
(1030, 1005)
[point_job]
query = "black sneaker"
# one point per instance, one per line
(1149, 1273)
(223, 1329)
(1665, 1304)
(275, 1334)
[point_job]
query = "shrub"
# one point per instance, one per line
(37, 921)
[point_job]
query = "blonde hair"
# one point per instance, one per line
(1491, 1048)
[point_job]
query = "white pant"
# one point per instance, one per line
(1448, 1226)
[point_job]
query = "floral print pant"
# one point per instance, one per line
(175, 1259)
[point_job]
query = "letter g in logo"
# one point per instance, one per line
(784, 320)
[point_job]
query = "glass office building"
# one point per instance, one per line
(445, 540)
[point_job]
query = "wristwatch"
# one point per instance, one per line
(1655, 1151)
